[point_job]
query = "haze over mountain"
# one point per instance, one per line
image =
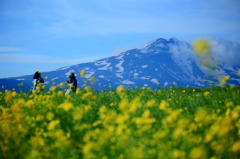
(160, 63)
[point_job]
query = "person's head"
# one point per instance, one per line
(72, 76)
(37, 75)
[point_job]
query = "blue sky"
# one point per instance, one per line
(44, 35)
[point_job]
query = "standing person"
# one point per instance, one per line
(73, 82)
(37, 79)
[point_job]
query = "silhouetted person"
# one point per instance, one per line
(72, 81)
(37, 80)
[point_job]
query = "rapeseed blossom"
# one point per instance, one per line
(206, 93)
(66, 106)
(120, 89)
(87, 95)
(50, 116)
(163, 105)
(236, 146)
(53, 88)
(53, 124)
(93, 80)
(83, 73)
(198, 153)
(201, 46)
(224, 79)
(121, 124)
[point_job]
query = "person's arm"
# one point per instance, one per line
(35, 82)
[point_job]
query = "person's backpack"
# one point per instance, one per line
(41, 80)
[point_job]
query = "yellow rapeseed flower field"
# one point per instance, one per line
(121, 123)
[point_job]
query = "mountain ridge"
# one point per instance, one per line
(163, 61)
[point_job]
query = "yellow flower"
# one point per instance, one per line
(224, 79)
(206, 93)
(8, 97)
(93, 80)
(70, 85)
(50, 116)
(87, 95)
(150, 103)
(20, 84)
(14, 93)
(120, 89)
(236, 146)
(238, 72)
(163, 105)
(53, 88)
(174, 83)
(77, 114)
(83, 73)
(201, 46)
(146, 114)
(178, 153)
(112, 104)
(46, 77)
(88, 89)
(60, 93)
(66, 106)
(200, 115)
(61, 84)
(37, 141)
(78, 91)
(39, 118)
(197, 153)
(53, 124)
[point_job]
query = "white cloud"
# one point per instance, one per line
(30, 58)
(11, 49)
(225, 53)
(140, 46)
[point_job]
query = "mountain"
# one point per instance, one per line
(160, 63)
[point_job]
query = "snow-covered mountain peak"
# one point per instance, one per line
(164, 61)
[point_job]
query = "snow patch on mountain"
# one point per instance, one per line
(119, 75)
(119, 65)
(162, 61)
(127, 82)
(89, 74)
(154, 80)
(135, 75)
(103, 62)
(64, 68)
(145, 78)
(165, 84)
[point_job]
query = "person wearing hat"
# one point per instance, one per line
(37, 79)
(72, 82)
